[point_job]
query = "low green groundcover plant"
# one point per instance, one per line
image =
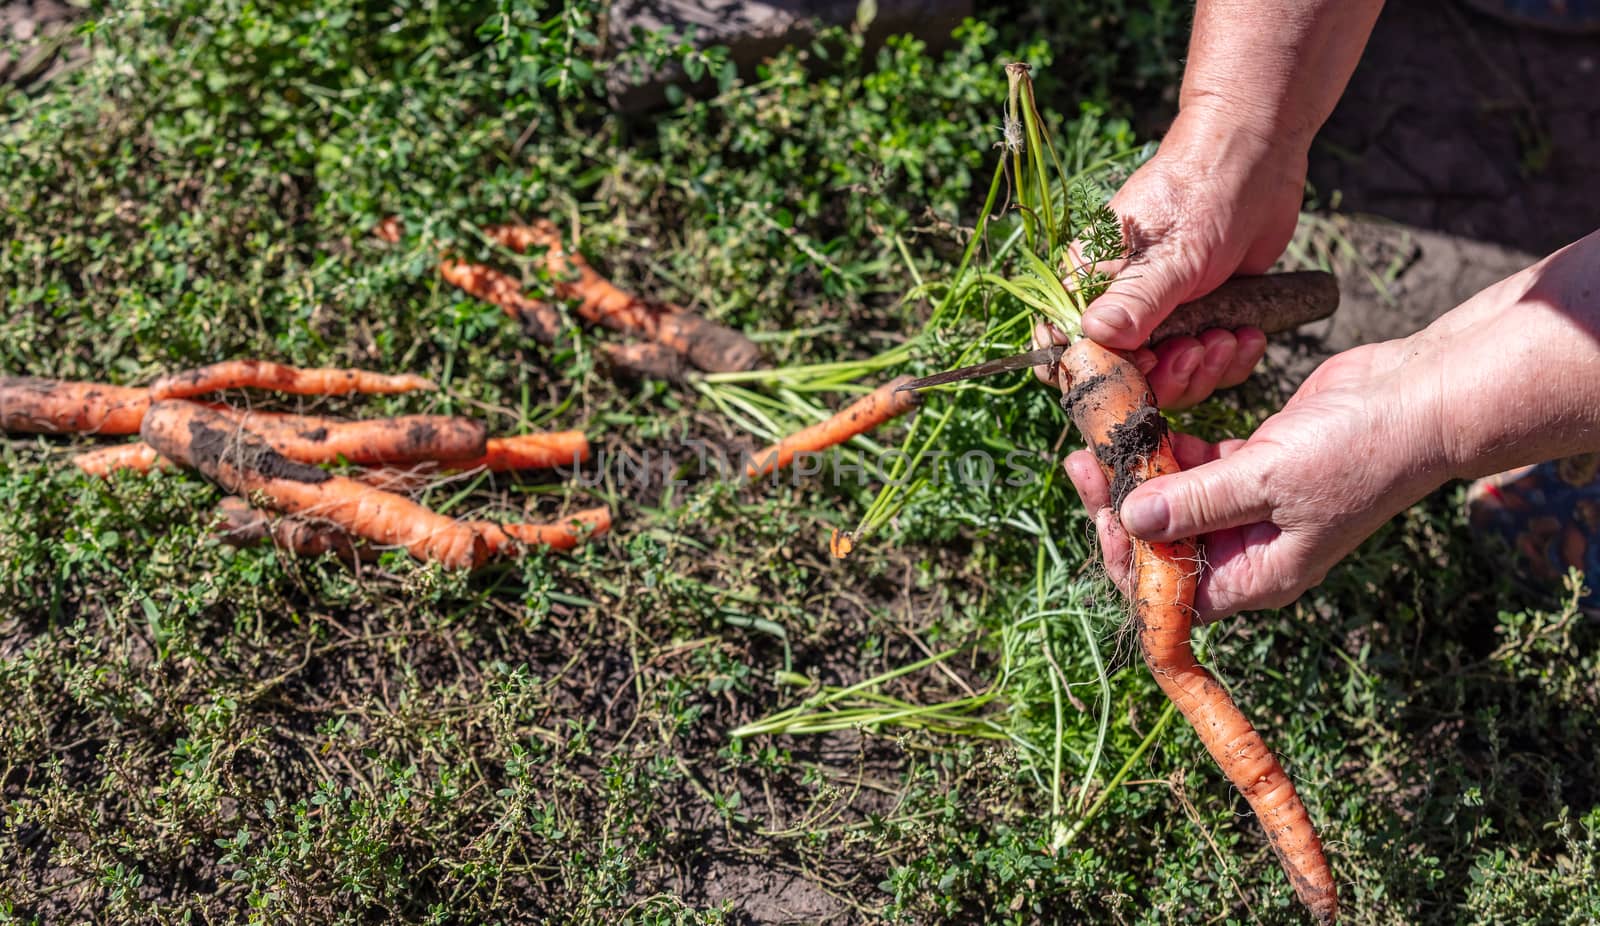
(195, 733)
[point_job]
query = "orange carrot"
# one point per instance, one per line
(502, 454)
(31, 405)
(1111, 404)
(562, 535)
(314, 439)
(708, 345)
(541, 320)
(242, 463)
(263, 374)
(402, 439)
(871, 410)
(137, 457)
(531, 451)
(242, 525)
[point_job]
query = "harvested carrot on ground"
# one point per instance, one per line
(443, 439)
(643, 360)
(530, 451)
(243, 526)
(264, 374)
(1113, 407)
(401, 439)
(871, 410)
(562, 535)
(541, 320)
(137, 457)
(242, 463)
(502, 454)
(708, 345)
(31, 405)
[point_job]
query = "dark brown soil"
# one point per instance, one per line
(1460, 123)
(209, 445)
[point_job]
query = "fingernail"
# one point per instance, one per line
(1111, 317)
(1187, 361)
(1145, 515)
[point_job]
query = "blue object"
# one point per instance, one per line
(1558, 15)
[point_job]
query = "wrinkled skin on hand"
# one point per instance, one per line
(1512, 376)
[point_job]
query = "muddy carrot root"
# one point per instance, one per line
(644, 360)
(241, 526)
(312, 439)
(242, 463)
(31, 405)
(401, 439)
(138, 457)
(540, 319)
(708, 345)
(871, 410)
(1112, 406)
(562, 535)
(263, 374)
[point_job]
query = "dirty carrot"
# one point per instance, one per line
(708, 345)
(241, 525)
(1112, 406)
(31, 405)
(541, 320)
(401, 439)
(459, 442)
(242, 463)
(542, 450)
(137, 457)
(264, 374)
(871, 410)
(643, 360)
(562, 535)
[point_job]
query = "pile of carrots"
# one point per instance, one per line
(272, 460)
(670, 337)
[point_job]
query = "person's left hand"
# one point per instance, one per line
(1358, 443)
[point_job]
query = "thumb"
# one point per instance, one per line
(1229, 492)
(1138, 300)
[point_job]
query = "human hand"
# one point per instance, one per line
(1275, 512)
(1217, 200)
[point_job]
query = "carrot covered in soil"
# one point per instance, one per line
(243, 526)
(459, 442)
(708, 345)
(1113, 407)
(31, 405)
(545, 450)
(264, 374)
(541, 320)
(242, 463)
(402, 439)
(871, 410)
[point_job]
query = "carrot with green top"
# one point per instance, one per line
(1113, 407)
